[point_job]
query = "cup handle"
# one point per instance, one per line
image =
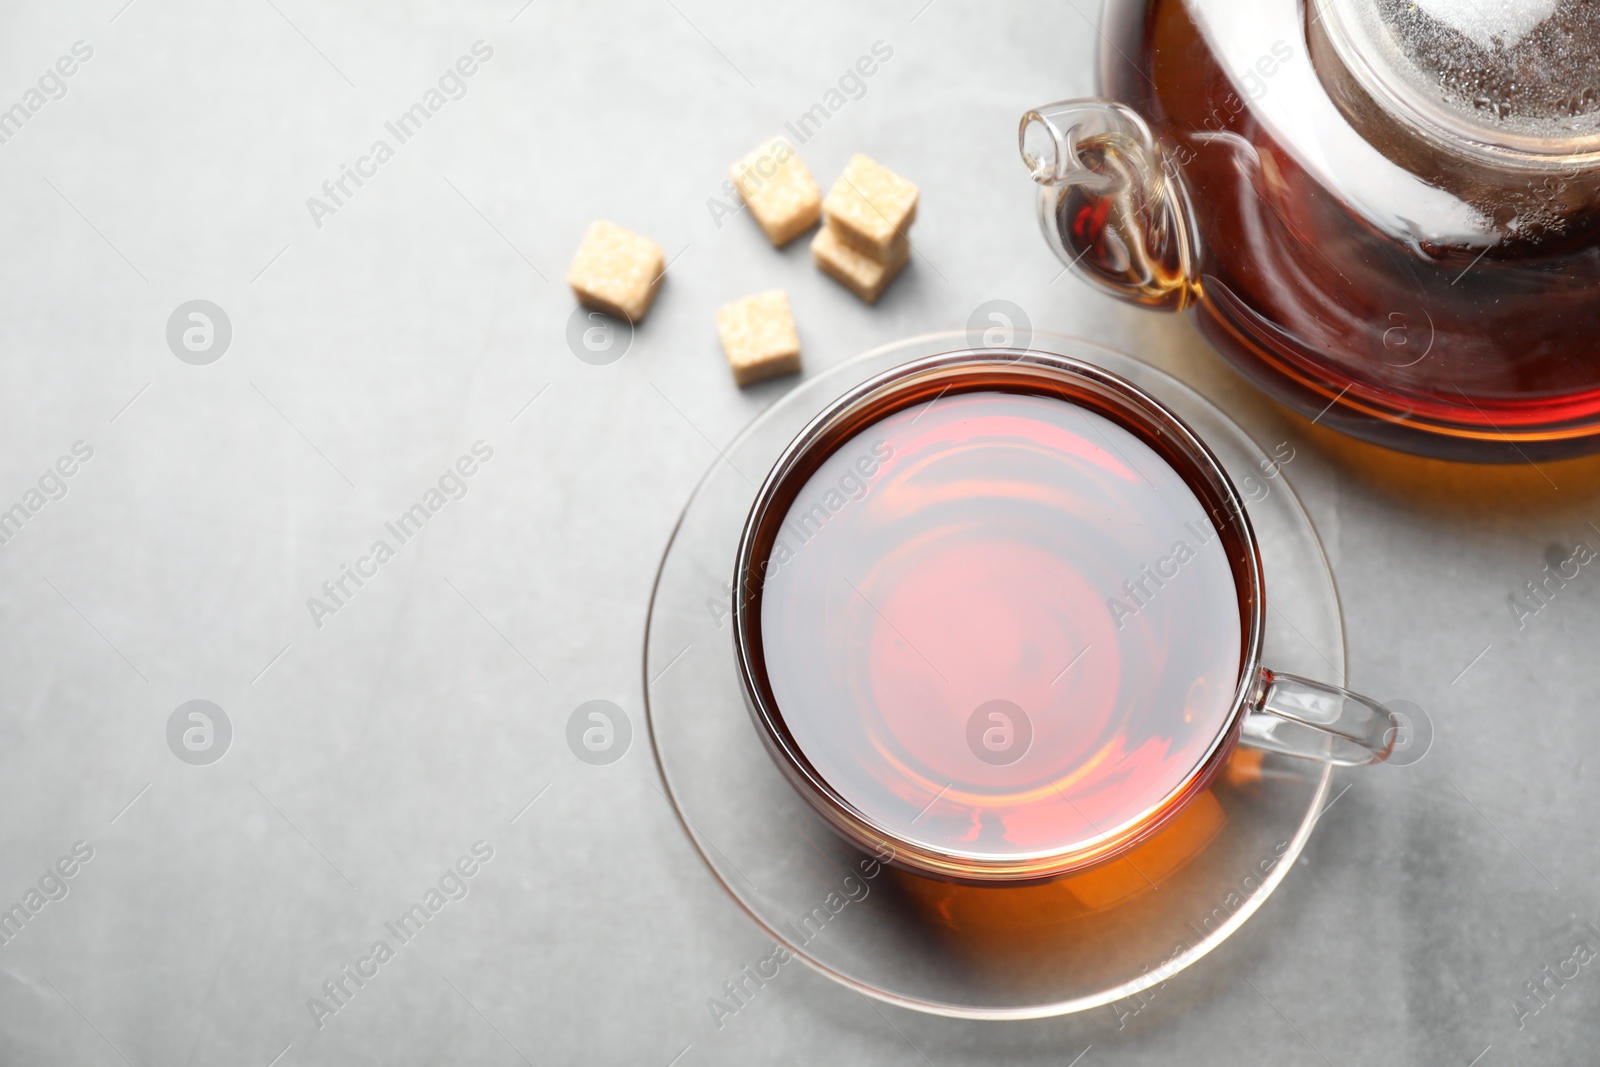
(1111, 203)
(1313, 720)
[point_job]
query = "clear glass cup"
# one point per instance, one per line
(1279, 713)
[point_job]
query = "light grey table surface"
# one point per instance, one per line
(423, 315)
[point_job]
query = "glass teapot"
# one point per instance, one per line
(1386, 213)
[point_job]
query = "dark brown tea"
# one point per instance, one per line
(1351, 267)
(1001, 625)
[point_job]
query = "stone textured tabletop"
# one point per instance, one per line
(194, 493)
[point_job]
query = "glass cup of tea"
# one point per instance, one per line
(999, 615)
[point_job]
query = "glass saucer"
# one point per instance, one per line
(995, 952)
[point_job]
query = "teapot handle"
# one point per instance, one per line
(1111, 203)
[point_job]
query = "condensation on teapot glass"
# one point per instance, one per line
(1362, 106)
(1519, 75)
(1494, 102)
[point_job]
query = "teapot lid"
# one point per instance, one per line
(1518, 76)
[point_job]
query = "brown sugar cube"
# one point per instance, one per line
(616, 271)
(863, 275)
(759, 337)
(779, 190)
(870, 205)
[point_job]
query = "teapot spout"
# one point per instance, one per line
(1111, 204)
